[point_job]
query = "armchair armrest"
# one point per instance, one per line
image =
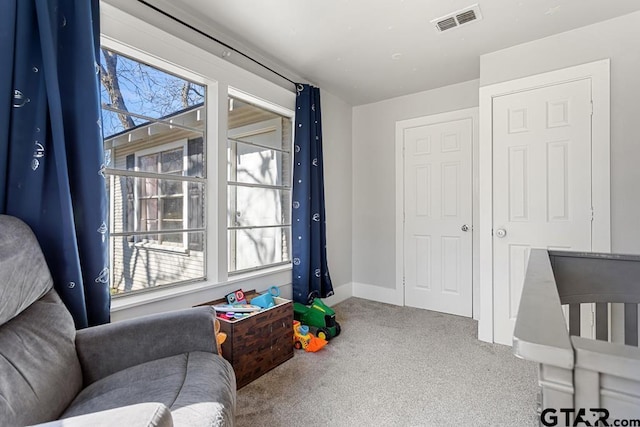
(140, 415)
(106, 349)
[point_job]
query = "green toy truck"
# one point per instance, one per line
(318, 316)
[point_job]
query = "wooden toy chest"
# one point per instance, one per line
(260, 342)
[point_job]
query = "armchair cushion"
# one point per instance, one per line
(39, 369)
(24, 275)
(198, 388)
(130, 342)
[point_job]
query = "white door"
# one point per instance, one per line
(541, 185)
(438, 214)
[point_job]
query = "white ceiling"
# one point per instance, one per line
(368, 50)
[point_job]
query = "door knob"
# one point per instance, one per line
(501, 232)
(464, 227)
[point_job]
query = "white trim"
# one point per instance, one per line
(598, 73)
(188, 295)
(340, 293)
(401, 126)
(378, 293)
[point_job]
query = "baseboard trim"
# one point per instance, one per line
(340, 293)
(359, 290)
(378, 293)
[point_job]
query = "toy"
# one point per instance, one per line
(266, 300)
(318, 315)
(237, 308)
(230, 315)
(302, 338)
(236, 297)
(220, 336)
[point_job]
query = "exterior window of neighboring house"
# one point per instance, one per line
(154, 138)
(161, 202)
(259, 186)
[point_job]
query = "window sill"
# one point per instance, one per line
(125, 302)
(240, 277)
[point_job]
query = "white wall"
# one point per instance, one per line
(374, 198)
(616, 39)
(336, 146)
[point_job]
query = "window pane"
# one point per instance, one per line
(257, 165)
(172, 162)
(246, 120)
(142, 265)
(154, 124)
(251, 206)
(258, 247)
(143, 90)
(259, 161)
(171, 188)
(148, 163)
(148, 214)
(174, 239)
(161, 137)
(148, 187)
(172, 209)
(149, 205)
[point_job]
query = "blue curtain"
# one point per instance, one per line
(308, 228)
(51, 144)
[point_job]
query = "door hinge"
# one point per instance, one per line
(592, 107)
(592, 214)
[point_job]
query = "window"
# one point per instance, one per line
(153, 126)
(259, 186)
(197, 192)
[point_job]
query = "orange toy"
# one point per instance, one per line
(302, 338)
(220, 336)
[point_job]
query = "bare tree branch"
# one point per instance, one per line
(109, 79)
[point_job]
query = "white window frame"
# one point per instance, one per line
(272, 125)
(182, 143)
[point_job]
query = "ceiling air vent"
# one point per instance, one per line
(458, 18)
(446, 24)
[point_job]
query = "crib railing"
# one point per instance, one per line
(602, 279)
(576, 372)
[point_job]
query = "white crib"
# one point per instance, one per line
(578, 373)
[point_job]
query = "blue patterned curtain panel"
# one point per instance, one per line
(51, 154)
(308, 230)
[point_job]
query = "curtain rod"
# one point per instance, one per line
(210, 37)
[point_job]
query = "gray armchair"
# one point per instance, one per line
(159, 370)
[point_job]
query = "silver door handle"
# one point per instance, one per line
(501, 232)
(464, 227)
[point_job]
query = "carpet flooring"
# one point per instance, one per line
(395, 366)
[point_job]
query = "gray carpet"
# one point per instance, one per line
(395, 366)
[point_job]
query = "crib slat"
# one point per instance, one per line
(602, 321)
(574, 319)
(631, 324)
